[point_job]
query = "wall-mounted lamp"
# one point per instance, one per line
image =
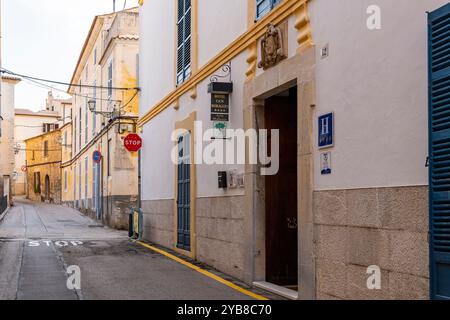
(60, 141)
(92, 104)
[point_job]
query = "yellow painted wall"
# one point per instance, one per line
(46, 163)
(124, 165)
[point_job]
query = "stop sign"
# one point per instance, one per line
(133, 142)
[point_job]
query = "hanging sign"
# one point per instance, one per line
(220, 107)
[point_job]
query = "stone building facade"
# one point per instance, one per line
(333, 211)
(28, 124)
(43, 161)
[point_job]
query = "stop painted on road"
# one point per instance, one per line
(59, 243)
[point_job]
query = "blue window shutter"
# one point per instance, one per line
(264, 6)
(439, 145)
(184, 41)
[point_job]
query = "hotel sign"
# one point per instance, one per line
(326, 130)
(220, 107)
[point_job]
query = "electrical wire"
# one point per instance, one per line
(129, 102)
(27, 126)
(48, 87)
(4, 70)
(37, 150)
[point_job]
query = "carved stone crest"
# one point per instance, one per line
(272, 48)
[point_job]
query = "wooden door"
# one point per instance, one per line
(281, 194)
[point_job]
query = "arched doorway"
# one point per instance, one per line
(47, 188)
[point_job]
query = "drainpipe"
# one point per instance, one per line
(139, 180)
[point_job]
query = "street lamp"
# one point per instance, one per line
(109, 114)
(61, 142)
(92, 104)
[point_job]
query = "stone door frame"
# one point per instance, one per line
(299, 71)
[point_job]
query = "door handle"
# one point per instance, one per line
(292, 223)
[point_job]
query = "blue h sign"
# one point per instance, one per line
(326, 131)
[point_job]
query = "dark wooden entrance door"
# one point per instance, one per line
(47, 188)
(184, 193)
(281, 194)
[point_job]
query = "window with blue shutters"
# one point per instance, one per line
(184, 41)
(110, 80)
(94, 118)
(264, 6)
(439, 149)
(184, 193)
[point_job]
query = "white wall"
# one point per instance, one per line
(157, 52)
(7, 138)
(219, 23)
(158, 171)
(376, 83)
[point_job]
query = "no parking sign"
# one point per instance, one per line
(97, 156)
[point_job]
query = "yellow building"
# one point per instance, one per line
(43, 160)
(103, 113)
(28, 124)
(66, 156)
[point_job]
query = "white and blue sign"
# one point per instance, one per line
(326, 127)
(325, 163)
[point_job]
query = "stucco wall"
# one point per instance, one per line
(113, 39)
(158, 171)
(7, 137)
(156, 51)
(220, 23)
(372, 210)
(376, 83)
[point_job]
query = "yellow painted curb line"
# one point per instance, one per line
(204, 272)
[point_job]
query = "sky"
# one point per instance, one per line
(44, 38)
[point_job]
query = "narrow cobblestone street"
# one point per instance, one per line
(38, 242)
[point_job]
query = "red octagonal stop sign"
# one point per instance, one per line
(133, 142)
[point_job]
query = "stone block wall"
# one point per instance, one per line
(116, 210)
(219, 225)
(386, 227)
(220, 234)
(158, 222)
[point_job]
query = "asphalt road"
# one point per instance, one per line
(40, 243)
